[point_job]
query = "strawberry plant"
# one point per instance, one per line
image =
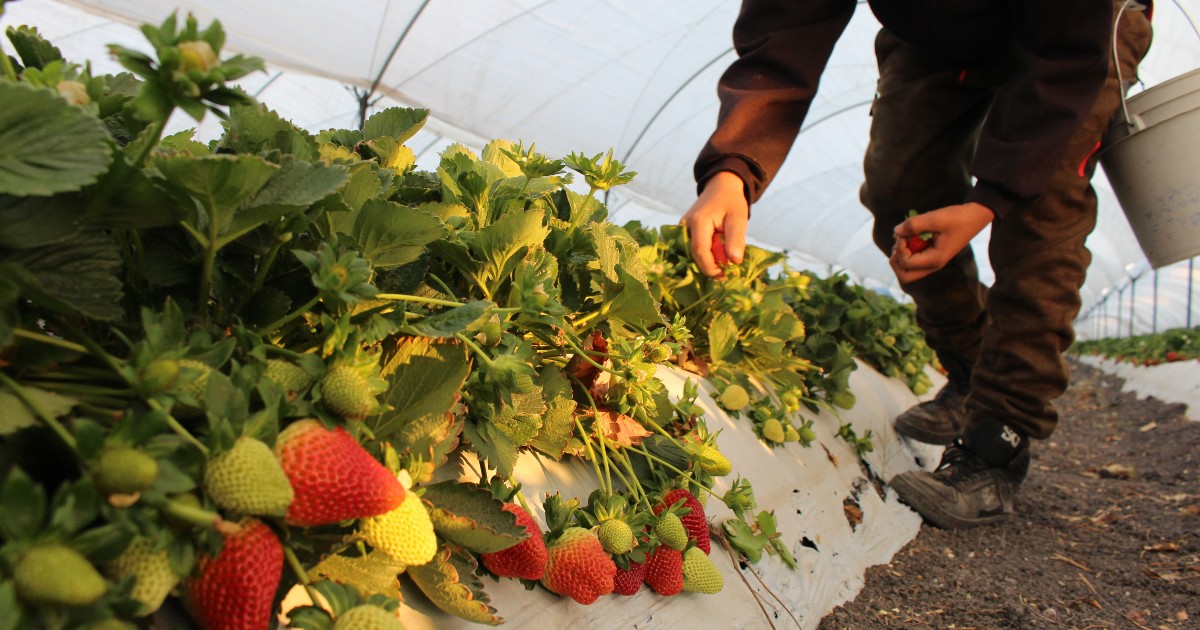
(234, 367)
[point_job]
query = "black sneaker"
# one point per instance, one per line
(964, 491)
(936, 421)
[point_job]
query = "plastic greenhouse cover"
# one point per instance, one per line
(637, 77)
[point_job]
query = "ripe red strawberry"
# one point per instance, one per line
(577, 567)
(664, 571)
(236, 589)
(526, 559)
(334, 477)
(694, 521)
(920, 242)
(718, 250)
(629, 581)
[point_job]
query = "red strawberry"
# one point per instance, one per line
(577, 567)
(334, 477)
(664, 570)
(920, 242)
(526, 559)
(236, 589)
(718, 250)
(694, 521)
(629, 581)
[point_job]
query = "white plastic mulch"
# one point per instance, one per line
(808, 489)
(1177, 382)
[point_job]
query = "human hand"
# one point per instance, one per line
(953, 228)
(721, 207)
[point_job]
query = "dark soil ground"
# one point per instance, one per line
(1106, 533)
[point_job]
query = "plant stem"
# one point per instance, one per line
(277, 324)
(210, 261)
(302, 575)
(49, 340)
(401, 297)
(6, 64)
(179, 429)
(264, 266)
(41, 413)
(191, 514)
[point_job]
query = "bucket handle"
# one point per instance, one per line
(1134, 121)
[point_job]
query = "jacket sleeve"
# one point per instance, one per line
(1061, 56)
(782, 49)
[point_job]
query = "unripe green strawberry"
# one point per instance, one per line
(616, 536)
(197, 55)
(526, 559)
(198, 387)
(236, 589)
(791, 434)
(367, 617)
(290, 377)
(807, 435)
(772, 430)
(159, 375)
(153, 576)
(713, 462)
(333, 476)
(247, 479)
(670, 531)
(490, 333)
(664, 571)
(405, 533)
(577, 566)
(346, 392)
(734, 398)
(695, 522)
(700, 575)
(124, 470)
(54, 574)
(660, 353)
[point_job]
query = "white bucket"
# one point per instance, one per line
(1152, 160)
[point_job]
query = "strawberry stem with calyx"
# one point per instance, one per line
(189, 513)
(607, 478)
(178, 428)
(279, 323)
(49, 340)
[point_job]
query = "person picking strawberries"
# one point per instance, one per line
(988, 112)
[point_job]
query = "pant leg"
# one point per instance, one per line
(925, 124)
(1038, 254)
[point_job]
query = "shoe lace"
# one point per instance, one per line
(959, 465)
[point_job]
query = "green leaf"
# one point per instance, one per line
(15, 415)
(10, 608)
(255, 129)
(424, 378)
(432, 437)
(34, 51)
(47, 146)
(397, 123)
(136, 203)
(490, 442)
(104, 543)
(78, 276)
(454, 320)
(449, 581)
(24, 506)
(722, 336)
(631, 301)
(375, 572)
(220, 184)
(75, 505)
(392, 235)
(558, 423)
(293, 188)
(469, 516)
(501, 242)
(392, 154)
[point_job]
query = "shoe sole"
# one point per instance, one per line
(920, 434)
(929, 506)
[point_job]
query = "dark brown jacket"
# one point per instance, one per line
(1054, 55)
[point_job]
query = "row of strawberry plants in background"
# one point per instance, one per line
(1177, 344)
(277, 350)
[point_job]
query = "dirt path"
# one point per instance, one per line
(1106, 533)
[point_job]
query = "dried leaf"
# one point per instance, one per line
(619, 428)
(1162, 547)
(1116, 471)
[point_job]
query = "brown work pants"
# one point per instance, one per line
(1008, 340)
